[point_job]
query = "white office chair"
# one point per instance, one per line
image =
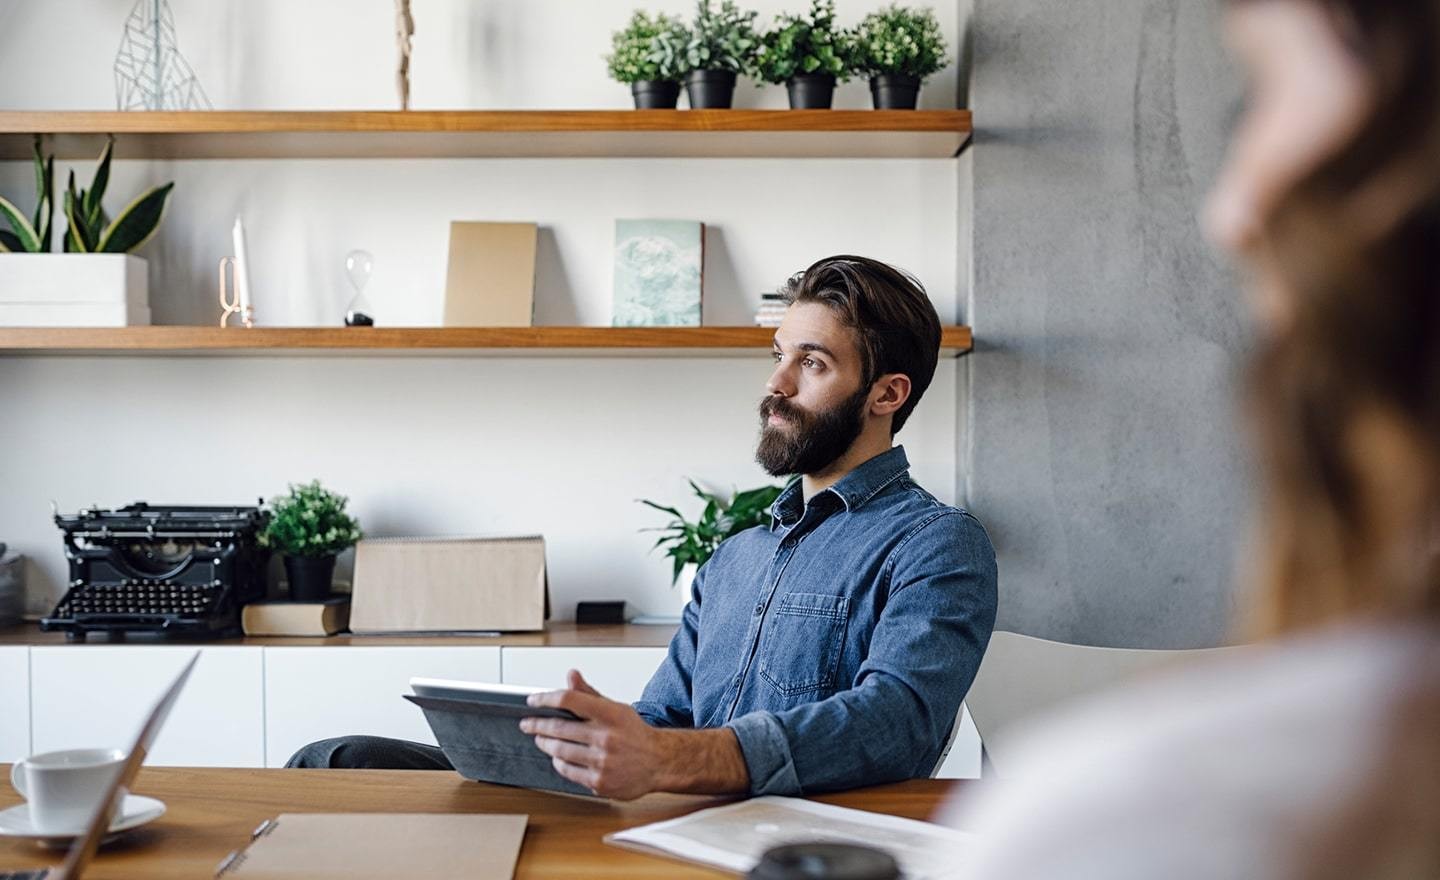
(1022, 676)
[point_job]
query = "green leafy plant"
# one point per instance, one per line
(721, 39)
(90, 229)
(899, 40)
(309, 521)
(648, 49)
(32, 235)
(694, 542)
(800, 44)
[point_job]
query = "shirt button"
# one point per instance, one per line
(760, 609)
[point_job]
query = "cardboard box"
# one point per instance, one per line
(405, 585)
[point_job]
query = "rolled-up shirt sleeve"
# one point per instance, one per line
(894, 720)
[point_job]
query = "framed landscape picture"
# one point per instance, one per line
(658, 269)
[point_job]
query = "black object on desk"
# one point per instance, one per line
(600, 612)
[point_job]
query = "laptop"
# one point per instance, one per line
(84, 847)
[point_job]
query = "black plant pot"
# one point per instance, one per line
(653, 94)
(894, 91)
(811, 91)
(710, 89)
(309, 577)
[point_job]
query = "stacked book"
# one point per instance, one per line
(772, 309)
(297, 618)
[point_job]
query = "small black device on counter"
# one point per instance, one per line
(171, 572)
(600, 612)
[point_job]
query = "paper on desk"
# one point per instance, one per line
(735, 836)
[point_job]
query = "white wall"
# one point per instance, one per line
(437, 445)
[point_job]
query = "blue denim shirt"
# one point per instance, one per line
(839, 642)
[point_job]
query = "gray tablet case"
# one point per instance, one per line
(484, 742)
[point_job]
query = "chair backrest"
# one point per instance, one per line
(1023, 676)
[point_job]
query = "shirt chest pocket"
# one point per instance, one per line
(803, 646)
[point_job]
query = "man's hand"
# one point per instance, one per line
(614, 753)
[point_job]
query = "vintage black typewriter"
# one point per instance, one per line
(171, 572)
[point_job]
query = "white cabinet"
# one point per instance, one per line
(963, 762)
(14, 704)
(618, 673)
(98, 695)
(314, 693)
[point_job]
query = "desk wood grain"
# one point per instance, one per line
(211, 812)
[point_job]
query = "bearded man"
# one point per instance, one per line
(829, 650)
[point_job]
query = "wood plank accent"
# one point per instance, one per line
(491, 133)
(556, 635)
(512, 341)
(211, 812)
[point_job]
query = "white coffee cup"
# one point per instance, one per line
(63, 788)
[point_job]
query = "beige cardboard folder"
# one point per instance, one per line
(405, 585)
(491, 277)
(360, 846)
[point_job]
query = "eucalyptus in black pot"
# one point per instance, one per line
(809, 54)
(310, 527)
(898, 47)
(722, 46)
(647, 55)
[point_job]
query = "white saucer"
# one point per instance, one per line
(135, 811)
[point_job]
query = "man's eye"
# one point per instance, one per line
(810, 362)
(775, 356)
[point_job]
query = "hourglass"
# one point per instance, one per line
(358, 265)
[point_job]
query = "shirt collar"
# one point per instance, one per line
(852, 490)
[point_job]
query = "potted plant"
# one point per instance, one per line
(646, 55)
(898, 47)
(809, 54)
(722, 46)
(98, 281)
(310, 527)
(691, 544)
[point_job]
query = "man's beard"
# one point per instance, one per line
(809, 442)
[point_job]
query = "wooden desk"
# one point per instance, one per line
(212, 812)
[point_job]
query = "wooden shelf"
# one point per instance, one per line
(423, 341)
(914, 134)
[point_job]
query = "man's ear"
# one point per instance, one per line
(889, 393)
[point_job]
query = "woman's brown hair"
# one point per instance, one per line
(1345, 391)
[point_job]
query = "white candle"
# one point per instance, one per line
(242, 269)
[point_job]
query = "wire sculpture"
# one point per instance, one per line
(150, 72)
(404, 31)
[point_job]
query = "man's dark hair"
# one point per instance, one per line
(895, 324)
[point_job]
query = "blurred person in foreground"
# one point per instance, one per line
(1316, 752)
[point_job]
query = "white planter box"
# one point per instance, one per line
(73, 290)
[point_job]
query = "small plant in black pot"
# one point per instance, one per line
(809, 54)
(310, 527)
(898, 47)
(647, 55)
(722, 46)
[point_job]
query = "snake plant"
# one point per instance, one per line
(27, 235)
(90, 228)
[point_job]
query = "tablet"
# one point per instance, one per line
(477, 724)
(487, 692)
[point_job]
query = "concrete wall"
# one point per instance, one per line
(1102, 442)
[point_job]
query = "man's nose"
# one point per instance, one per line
(781, 383)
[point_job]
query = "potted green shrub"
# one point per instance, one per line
(722, 46)
(310, 527)
(807, 53)
(647, 55)
(97, 281)
(691, 544)
(898, 47)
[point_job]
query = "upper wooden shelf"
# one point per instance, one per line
(913, 134)
(428, 341)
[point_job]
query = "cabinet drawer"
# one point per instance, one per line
(618, 673)
(314, 693)
(98, 695)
